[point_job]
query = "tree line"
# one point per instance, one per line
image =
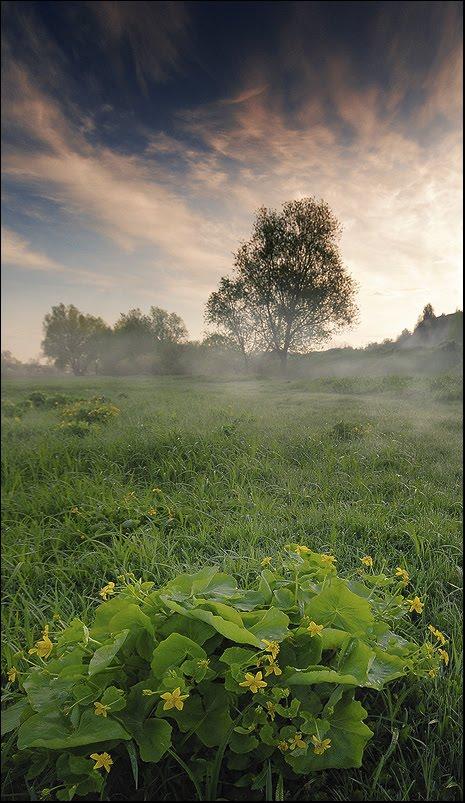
(288, 293)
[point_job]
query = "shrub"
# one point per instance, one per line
(346, 431)
(79, 428)
(93, 411)
(10, 410)
(249, 687)
(38, 398)
(58, 400)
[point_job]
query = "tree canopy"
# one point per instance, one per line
(290, 289)
(71, 337)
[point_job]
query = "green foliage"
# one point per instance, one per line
(80, 417)
(247, 685)
(231, 469)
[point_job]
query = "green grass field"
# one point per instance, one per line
(235, 470)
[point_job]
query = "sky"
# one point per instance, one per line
(139, 139)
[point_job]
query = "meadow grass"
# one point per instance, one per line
(235, 470)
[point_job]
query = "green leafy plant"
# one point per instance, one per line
(38, 398)
(249, 687)
(347, 431)
(91, 412)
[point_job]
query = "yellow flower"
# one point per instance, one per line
(11, 674)
(156, 490)
(283, 746)
(328, 560)
(444, 655)
(320, 745)
(266, 561)
(415, 604)
(403, 574)
(314, 629)
(437, 633)
(107, 590)
(271, 646)
(44, 647)
(101, 709)
(297, 741)
(302, 550)
(74, 509)
(273, 669)
(271, 708)
(151, 511)
(367, 560)
(102, 760)
(174, 699)
(254, 683)
(432, 673)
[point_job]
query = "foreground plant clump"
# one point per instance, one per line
(257, 686)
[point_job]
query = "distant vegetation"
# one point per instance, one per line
(157, 343)
(289, 294)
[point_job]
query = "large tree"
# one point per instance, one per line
(72, 338)
(289, 284)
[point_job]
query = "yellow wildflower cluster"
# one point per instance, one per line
(367, 560)
(102, 761)
(272, 647)
(315, 629)
(101, 709)
(107, 590)
(320, 745)
(437, 634)
(403, 575)
(253, 682)
(44, 646)
(174, 699)
(415, 605)
(328, 560)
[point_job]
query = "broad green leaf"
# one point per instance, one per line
(52, 731)
(130, 618)
(348, 735)
(272, 625)
(226, 611)
(114, 697)
(153, 739)
(194, 629)
(340, 608)
(385, 668)
(229, 630)
(355, 660)
(11, 716)
(46, 694)
(172, 651)
(216, 723)
(303, 678)
(75, 632)
(238, 655)
(105, 612)
(242, 744)
(283, 598)
(103, 657)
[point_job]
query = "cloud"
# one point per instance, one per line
(156, 34)
(17, 252)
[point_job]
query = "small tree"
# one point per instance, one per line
(71, 337)
(290, 290)
(166, 327)
(229, 309)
